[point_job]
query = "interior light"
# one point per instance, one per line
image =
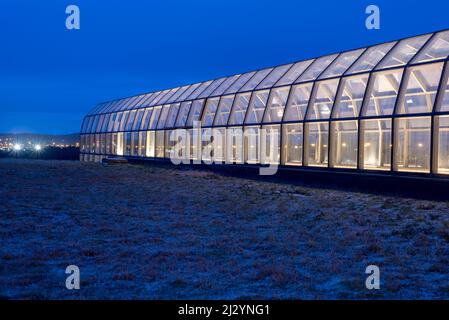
(343, 144)
(410, 101)
(17, 147)
(37, 147)
(420, 145)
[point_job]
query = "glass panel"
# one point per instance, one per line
(141, 152)
(183, 114)
(295, 71)
(371, 57)
(219, 144)
(420, 88)
(352, 91)
(252, 144)
(160, 144)
(172, 114)
(177, 94)
(151, 144)
(403, 52)
(146, 119)
(127, 143)
(376, 142)
(412, 144)
(143, 102)
(136, 102)
(170, 143)
(108, 143)
(89, 121)
(158, 98)
(240, 82)
(316, 68)
(124, 120)
(437, 48)
(111, 123)
(131, 118)
(225, 85)
(119, 144)
(214, 85)
(383, 92)
(195, 144)
(163, 117)
(270, 144)
(257, 106)
(234, 146)
(298, 101)
(103, 108)
(442, 143)
(95, 124)
(206, 145)
(135, 144)
(195, 112)
(155, 117)
(276, 104)
(443, 104)
(344, 143)
(188, 92)
(224, 109)
(292, 144)
(123, 102)
(118, 120)
(209, 112)
(273, 77)
(130, 102)
(323, 100)
(258, 77)
(138, 121)
(317, 135)
(239, 108)
(341, 64)
(199, 90)
(168, 96)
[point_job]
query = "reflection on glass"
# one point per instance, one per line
(376, 142)
(292, 144)
(352, 91)
(344, 144)
(317, 137)
(412, 144)
(420, 89)
(323, 100)
(383, 92)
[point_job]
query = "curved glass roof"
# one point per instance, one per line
(416, 50)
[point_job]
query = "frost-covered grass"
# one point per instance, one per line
(164, 233)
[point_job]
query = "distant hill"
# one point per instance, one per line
(44, 139)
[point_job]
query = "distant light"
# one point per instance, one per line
(17, 147)
(37, 147)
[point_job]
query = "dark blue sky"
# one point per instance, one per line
(50, 76)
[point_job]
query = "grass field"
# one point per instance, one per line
(167, 233)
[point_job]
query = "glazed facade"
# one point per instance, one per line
(380, 108)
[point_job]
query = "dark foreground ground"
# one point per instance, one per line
(165, 233)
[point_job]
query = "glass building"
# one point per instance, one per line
(380, 108)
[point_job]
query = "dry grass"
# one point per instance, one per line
(164, 233)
